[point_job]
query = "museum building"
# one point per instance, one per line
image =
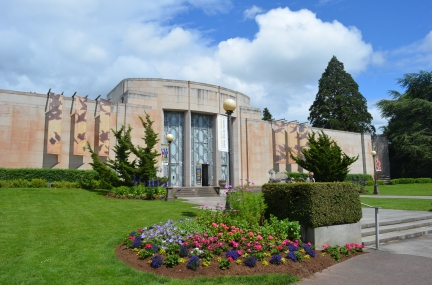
(51, 131)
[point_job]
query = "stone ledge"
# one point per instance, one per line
(333, 235)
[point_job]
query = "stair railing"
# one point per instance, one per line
(376, 224)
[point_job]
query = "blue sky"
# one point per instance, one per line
(273, 51)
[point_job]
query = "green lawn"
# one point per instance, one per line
(418, 189)
(68, 236)
(400, 203)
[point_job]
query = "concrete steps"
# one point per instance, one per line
(397, 229)
(205, 191)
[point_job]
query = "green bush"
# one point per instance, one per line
(38, 183)
(138, 192)
(410, 180)
(358, 177)
(313, 204)
(297, 176)
(47, 174)
(65, 184)
(423, 180)
(349, 178)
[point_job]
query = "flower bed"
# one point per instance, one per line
(215, 243)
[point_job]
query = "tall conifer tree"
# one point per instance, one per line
(338, 104)
(267, 116)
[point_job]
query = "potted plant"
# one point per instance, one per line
(222, 183)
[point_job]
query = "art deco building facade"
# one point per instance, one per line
(51, 131)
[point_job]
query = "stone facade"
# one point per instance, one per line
(188, 108)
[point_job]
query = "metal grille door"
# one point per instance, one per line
(174, 124)
(202, 144)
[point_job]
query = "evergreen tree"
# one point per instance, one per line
(147, 156)
(266, 115)
(325, 159)
(121, 164)
(338, 104)
(122, 171)
(105, 172)
(409, 128)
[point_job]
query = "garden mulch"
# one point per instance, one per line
(303, 269)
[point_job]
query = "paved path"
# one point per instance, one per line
(402, 262)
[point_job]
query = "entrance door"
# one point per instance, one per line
(205, 175)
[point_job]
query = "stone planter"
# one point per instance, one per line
(332, 235)
(222, 185)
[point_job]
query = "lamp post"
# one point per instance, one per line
(376, 191)
(169, 139)
(229, 106)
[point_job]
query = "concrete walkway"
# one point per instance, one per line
(404, 262)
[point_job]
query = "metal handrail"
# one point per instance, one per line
(376, 224)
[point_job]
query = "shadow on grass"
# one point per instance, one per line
(189, 214)
(101, 192)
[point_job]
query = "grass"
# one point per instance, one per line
(400, 203)
(68, 236)
(417, 189)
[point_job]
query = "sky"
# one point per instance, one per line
(275, 52)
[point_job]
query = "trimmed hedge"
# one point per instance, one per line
(313, 204)
(349, 178)
(410, 180)
(48, 174)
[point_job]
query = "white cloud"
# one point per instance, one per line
(252, 12)
(288, 56)
(414, 57)
(89, 46)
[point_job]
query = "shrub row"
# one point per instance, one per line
(410, 180)
(37, 183)
(48, 174)
(313, 204)
(349, 178)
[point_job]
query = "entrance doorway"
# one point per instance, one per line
(205, 175)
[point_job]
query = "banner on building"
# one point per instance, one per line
(54, 123)
(378, 165)
(280, 144)
(222, 130)
(104, 127)
(80, 126)
(165, 153)
(198, 174)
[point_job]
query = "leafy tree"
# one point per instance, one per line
(409, 128)
(325, 159)
(266, 115)
(338, 104)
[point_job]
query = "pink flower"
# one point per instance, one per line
(230, 259)
(325, 246)
(248, 244)
(270, 237)
(214, 225)
(280, 248)
(259, 237)
(309, 244)
(186, 243)
(230, 233)
(242, 238)
(239, 252)
(210, 247)
(250, 234)
(248, 250)
(220, 234)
